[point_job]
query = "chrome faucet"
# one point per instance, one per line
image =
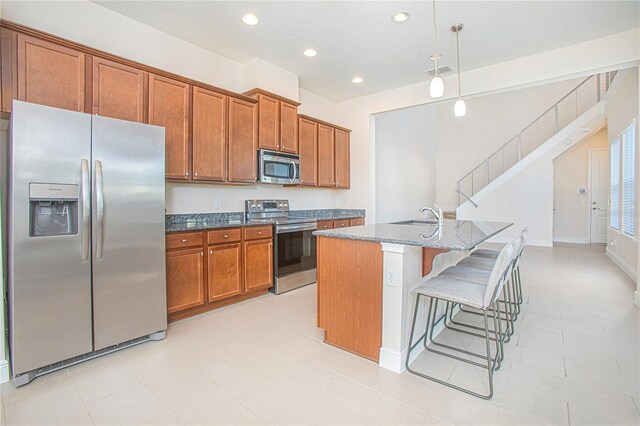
(437, 214)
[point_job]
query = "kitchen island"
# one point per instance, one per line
(366, 276)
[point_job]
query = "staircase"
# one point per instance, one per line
(564, 112)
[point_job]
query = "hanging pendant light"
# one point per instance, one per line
(460, 107)
(436, 88)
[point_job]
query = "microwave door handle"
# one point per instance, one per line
(293, 172)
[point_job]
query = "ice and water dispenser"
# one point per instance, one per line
(53, 209)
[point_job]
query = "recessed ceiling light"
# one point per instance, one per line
(357, 80)
(250, 19)
(310, 53)
(400, 17)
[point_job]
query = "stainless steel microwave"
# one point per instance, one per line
(278, 168)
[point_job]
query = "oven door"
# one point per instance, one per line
(277, 168)
(294, 256)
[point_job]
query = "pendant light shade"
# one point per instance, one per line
(436, 88)
(460, 108)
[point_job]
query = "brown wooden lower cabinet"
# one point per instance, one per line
(224, 271)
(325, 224)
(206, 270)
(359, 221)
(342, 223)
(185, 279)
(258, 266)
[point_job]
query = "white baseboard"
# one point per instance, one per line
(4, 371)
(395, 361)
(636, 298)
(570, 240)
(624, 266)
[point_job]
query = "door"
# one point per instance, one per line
(209, 135)
(269, 122)
(342, 159)
(50, 275)
(128, 230)
(599, 190)
(50, 74)
(169, 108)
(224, 271)
(243, 143)
(258, 265)
(308, 142)
(288, 128)
(118, 90)
(326, 156)
(185, 279)
(295, 252)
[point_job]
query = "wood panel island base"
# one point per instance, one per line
(367, 275)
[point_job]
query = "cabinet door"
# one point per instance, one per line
(9, 70)
(326, 156)
(342, 159)
(258, 265)
(308, 140)
(243, 145)
(169, 108)
(288, 128)
(118, 90)
(269, 123)
(185, 279)
(209, 135)
(50, 74)
(225, 271)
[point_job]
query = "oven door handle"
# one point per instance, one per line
(283, 229)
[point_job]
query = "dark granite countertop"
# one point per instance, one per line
(453, 235)
(211, 221)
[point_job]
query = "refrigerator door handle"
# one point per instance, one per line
(99, 210)
(86, 209)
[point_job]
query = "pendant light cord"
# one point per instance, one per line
(458, 59)
(435, 37)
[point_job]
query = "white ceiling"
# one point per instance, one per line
(358, 37)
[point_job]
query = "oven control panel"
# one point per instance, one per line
(266, 208)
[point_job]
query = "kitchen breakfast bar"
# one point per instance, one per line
(366, 276)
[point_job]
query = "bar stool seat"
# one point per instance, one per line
(478, 262)
(454, 290)
(486, 253)
(466, 273)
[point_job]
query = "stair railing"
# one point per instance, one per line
(571, 106)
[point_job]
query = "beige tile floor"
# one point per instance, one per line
(573, 360)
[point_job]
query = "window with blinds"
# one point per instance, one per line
(628, 162)
(614, 203)
(622, 209)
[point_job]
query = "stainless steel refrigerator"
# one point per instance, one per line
(85, 237)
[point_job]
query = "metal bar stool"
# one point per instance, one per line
(482, 297)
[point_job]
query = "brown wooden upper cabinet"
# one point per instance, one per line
(50, 74)
(169, 108)
(243, 141)
(209, 135)
(118, 90)
(308, 141)
(326, 156)
(342, 159)
(277, 123)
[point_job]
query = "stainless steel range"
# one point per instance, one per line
(294, 247)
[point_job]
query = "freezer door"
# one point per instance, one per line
(129, 295)
(48, 236)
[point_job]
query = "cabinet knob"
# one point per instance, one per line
(201, 253)
(186, 174)
(210, 251)
(184, 241)
(195, 174)
(225, 236)
(259, 232)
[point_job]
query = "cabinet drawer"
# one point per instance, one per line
(341, 223)
(188, 239)
(359, 221)
(257, 232)
(325, 224)
(224, 236)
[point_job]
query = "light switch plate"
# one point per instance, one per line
(391, 277)
(217, 203)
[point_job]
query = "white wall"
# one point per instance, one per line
(571, 214)
(491, 121)
(262, 74)
(615, 51)
(405, 153)
(621, 110)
